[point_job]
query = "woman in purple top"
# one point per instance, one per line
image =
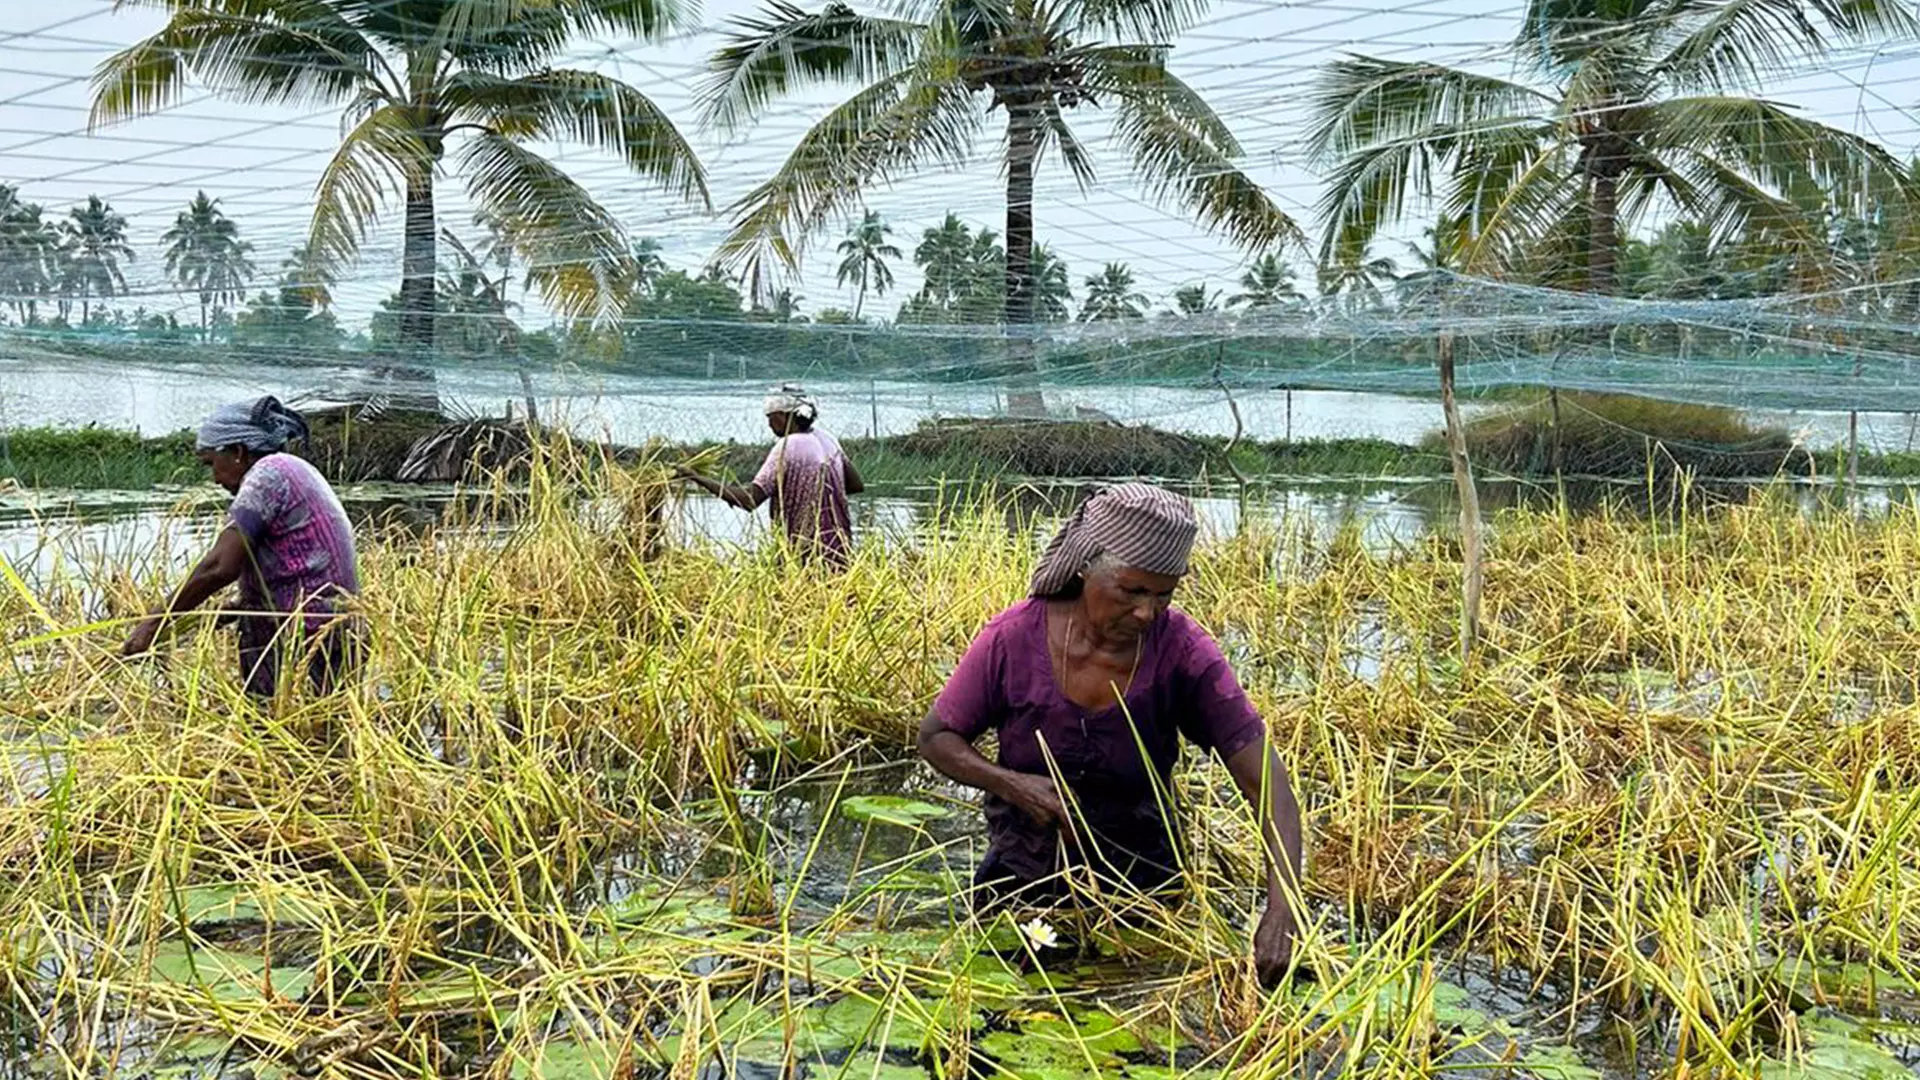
(806, 477)
(1089, 684)
(287, 545)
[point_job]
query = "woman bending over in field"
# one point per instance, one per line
(806, 476)
(287, 544)
(1089, 684)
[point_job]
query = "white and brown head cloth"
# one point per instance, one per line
(1139, 525)
(791, 398)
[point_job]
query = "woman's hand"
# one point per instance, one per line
(140, 642)
(1036, 796)
(1273, 943)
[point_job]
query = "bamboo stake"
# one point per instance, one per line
(1474, 568)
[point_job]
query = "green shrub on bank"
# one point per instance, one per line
(1051, 449)
(98, 458)
(1618, 436)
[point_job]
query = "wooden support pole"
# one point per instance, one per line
(1473, 561)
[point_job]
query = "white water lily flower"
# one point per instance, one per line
(1040, 935)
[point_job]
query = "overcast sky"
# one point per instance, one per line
(1253, 60)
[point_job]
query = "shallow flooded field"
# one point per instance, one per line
(603, 809)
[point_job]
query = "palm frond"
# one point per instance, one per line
(896, 126)
(1727, 44)
(1144, 21)
(1360, 102)
(1782, 151)
(487, 21)
(1369, 188)
(250, 59)
(369, 171)
(579, 251)
(1184, 154)
(586, 107)
(1059, 133)
(784, 48)
(1509, 184)
(515, 35)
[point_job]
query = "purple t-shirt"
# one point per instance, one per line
(805, 479)
(300, 542)
(1006, 683)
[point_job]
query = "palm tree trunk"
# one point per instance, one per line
(1023, 147)
(416, 268)
(417, 299)
(1606, 157)
(1601, 244)
(205, 331)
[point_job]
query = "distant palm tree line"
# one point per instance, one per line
(1625, 112)
(77, 264)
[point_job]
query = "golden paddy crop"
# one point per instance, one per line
(607, 807)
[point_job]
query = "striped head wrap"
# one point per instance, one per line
(262, 425)
(1139, 525)
(790, 398)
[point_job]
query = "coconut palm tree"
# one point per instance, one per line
(29, 254)
(205, 255)
(930, 80)
(1355, 283)
(1111, 296)
(422, 83)
(866, 252)
(93, 241)
(961, 274)
(1626, 106)
(1052, 289)
(1268, 283)
(1195, 300)
(945, 258)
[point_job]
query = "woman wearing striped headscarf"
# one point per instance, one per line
(287, 544)
(1089, 684)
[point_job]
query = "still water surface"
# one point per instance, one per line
(159, 398)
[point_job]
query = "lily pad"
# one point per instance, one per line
(224, 974)
(891, 810)
(1100, 1033)
(228, 902)
(665, 910)
(1836, 1057)
(863, 1023)
(1558, 1062)
(1033, 1056)
(569, 1059)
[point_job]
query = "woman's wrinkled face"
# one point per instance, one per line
(229, 466)
(778, 422)
(1122, 602)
